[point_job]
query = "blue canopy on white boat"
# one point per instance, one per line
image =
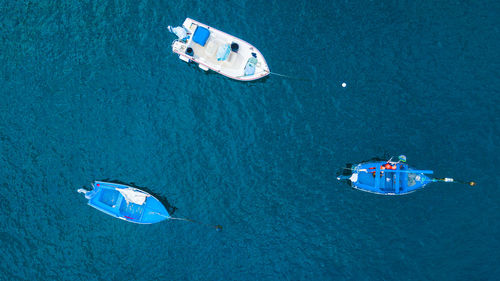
(201, 35)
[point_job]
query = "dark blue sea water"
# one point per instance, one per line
(89, 90)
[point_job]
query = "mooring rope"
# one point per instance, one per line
(217, 227)
(288, 77)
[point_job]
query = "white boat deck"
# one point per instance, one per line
(206, 56)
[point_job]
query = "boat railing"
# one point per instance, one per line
(400, 171)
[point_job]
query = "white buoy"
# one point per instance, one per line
(344, 85)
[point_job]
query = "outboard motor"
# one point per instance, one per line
(180, 31)
(88, 194)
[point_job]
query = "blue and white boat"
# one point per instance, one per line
(125, 202)
(216, 50)
(390, 177)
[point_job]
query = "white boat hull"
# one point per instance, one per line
(205, 56)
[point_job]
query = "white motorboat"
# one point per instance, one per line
(223, 53)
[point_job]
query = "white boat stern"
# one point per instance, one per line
(184, 58)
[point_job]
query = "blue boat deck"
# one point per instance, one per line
(401, 180)
(106, 198)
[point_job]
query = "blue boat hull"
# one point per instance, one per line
(399, 179)
(106, 198)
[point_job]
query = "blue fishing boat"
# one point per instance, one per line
(125, 202)
(390, 177)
